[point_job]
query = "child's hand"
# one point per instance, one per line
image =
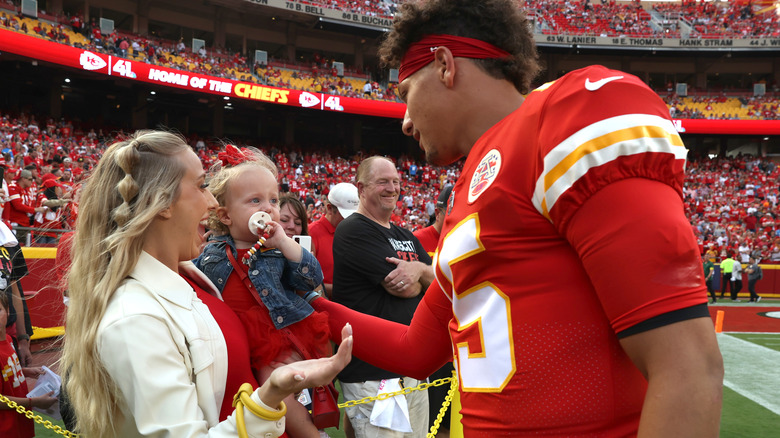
(278, 239)
(44, 401)
(205, 242)
(276, 235)
(33, 372)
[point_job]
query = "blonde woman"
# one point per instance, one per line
(148, 340)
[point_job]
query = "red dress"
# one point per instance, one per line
(239, 369)
(266, 343)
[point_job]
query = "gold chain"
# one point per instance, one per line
(350, 403)
(421, 387)
(444, 406)
(37, 418)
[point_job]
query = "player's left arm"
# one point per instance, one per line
(425, 342)
(641, 256)
(684, 371)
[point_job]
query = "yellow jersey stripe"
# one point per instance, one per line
(598, 144)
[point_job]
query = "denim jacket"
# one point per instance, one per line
(274, 277)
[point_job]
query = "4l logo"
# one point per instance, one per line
(485, 174)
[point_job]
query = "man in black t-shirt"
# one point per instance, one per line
(379, 269)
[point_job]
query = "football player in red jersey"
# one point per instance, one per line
(568, 287)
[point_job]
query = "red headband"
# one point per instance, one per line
(233, 156)
(421, 53)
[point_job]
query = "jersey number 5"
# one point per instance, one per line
(483, 338)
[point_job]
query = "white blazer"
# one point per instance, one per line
(165, 351)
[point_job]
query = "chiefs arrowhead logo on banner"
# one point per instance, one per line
(308, 100)
(90, 61)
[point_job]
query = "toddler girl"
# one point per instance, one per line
(259, 283)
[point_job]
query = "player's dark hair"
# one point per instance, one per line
(498, 22)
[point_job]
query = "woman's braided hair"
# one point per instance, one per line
(134, 181)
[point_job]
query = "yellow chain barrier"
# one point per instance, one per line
(37, 418)
(385, 396)
(444, 406)
(421, 387)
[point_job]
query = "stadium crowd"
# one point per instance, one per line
(722, 107)
(732, 202)
(735, 19)
(738, 19)
(318, 73)
(55, 151)
(608, 19)
(373, 8)
(58, 151)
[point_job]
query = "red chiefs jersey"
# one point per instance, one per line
(12, 383)
(428, 238)
(533, 329)
(19, 206)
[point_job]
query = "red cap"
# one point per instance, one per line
(52, 183)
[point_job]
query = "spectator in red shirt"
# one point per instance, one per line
(341, 202)
(20, 206)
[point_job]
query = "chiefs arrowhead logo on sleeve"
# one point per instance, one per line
(486, 173)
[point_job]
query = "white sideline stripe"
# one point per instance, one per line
(751, 370)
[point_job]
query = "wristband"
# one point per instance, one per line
(310, 296)
(24, 337)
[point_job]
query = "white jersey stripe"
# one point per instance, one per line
(592, 143)
(603, 127)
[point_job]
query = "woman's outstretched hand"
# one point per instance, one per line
(297, 376)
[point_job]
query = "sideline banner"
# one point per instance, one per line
(99, 63)
(630, 42)
(102, 64)
(305, 7)
(659, 43)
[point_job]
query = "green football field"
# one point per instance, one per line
(751, 387)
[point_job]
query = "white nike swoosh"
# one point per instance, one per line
(593, 86)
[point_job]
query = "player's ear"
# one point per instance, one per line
(445, 66)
